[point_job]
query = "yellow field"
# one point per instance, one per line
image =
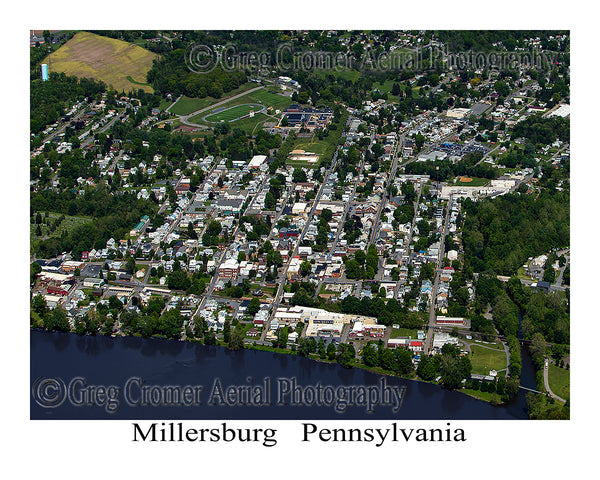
(106, 59)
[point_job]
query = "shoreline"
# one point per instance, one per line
(264, 348)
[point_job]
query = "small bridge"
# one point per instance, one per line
(531, 390)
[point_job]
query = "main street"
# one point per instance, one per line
(347, 207)
(282, 276)
(436, 282)
(408, 237)
(215, 276)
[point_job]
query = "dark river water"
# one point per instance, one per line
(75, 377)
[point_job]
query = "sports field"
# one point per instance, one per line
(233, 113)
(118, 64)
(472, 181)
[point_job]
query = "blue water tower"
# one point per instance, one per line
(44, 72)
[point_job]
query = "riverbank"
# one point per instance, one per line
(478, 395)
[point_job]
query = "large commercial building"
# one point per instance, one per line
(453, 321)
(321, 322)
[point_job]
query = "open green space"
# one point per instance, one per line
(318, 146)
(115, 62)
(560, 381)
(522, 274)
(136, 82)
(251, 125)
(404, 333)
(485, 396)
(268, 99)
(474, 182)
(496, 345)
(260, 97)
(164, 104)
(64, 227)
(265, 290)
(229, 114)
(345, 74)
(186, 105)
(484, 359)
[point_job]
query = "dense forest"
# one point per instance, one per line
(542, 131)
(501, 233)
(170, 74)
(445, 170)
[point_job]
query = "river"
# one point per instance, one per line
(105, 362)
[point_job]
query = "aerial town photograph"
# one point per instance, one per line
(266, 213)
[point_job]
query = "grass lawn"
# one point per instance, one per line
(136, 82)
(522, 274)
(68, 224)
(164, 104)
(251, 125)
(403, 333)
(266, 290)
(474, 182)
(261, 97)
(483, 359)
(186, 105)
(317, 147)
(233, 113)
(119, 64)
(268, 99)
(346, 74)
(485, 396)
(496, 345)
(560, 381)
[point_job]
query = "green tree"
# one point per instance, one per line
(227, 330)
(538, 349)
(170, 324)
(404, 359)
(346, 355)
(305, 268)
(451, 372)
(39, 305)
(114, 303)
(282, 337)
(419, 141)
(214, 228)
(331, 351)
(388, 360)
(370, 356)
(236, 341)
(327, 214)
(299, 175)
(270, 201)
(254, 306)
(34, 270)
(130, 265)
(59, 320)
(321, 350)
